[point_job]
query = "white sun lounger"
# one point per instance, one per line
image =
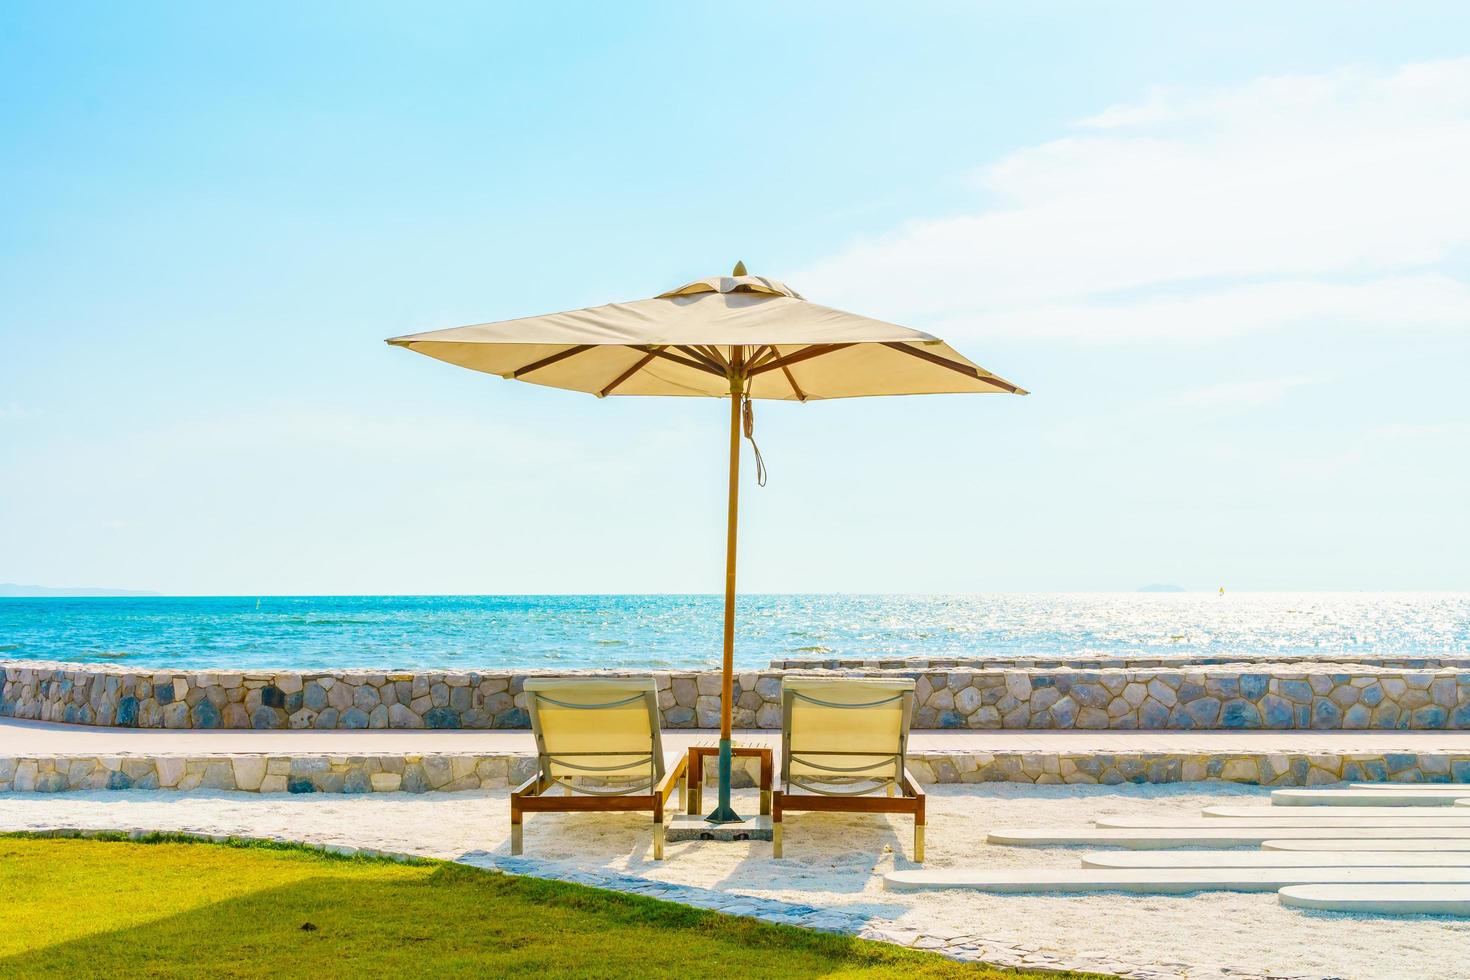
(598, 740)
(843, 743)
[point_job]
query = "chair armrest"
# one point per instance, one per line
(910, 784)
(531, 787)
(671, 778)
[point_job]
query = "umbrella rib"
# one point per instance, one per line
(965, 369)
(713, 353)
(763, 353)
(800, 395)
(637, 366)
(676, 358)
(806, 353)
(790, 378)
(548, 361)
(699, 355)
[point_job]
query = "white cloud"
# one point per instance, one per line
(311, 427)
(1184, 406)
(1420, 302)
(1446, 433)
(15, 413)
(1235, 395)
(1197, 215)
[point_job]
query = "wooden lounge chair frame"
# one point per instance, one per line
(846, 789)
(649, 788)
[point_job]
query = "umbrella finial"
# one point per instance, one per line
(739, 270)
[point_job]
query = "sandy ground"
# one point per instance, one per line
(837, 861)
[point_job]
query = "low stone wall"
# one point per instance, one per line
(264, 774)
(472, 771)
(1260, 661)
(299, 773)
(132, 698)
(1321, 697)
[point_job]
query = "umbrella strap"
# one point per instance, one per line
(748, 415)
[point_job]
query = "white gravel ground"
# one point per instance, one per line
(838, 861)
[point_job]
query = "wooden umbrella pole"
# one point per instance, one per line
(724, 813)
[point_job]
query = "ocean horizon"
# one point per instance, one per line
(662, 631)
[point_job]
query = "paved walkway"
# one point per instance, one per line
(19, 738)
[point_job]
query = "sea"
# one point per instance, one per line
(641, 632)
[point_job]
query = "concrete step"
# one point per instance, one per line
(1340, 844)
(1277, 859)
(1310, 813)
(1380, 899)
(692, 826)
(1210, 837)
(1161, 881)
(1412, 786)
(1439, 796)
(1326, 823)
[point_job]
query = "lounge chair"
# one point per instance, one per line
(843, 739)
(598, 740)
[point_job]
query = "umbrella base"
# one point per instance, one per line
(723, 814)
(692, 826)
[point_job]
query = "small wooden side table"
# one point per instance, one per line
(692, 792)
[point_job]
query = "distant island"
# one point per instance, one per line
(9, 590)
(1160, 587)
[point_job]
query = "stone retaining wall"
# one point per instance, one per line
(315, 773)
(1260, 661)
(133, 698)
(1320, 697)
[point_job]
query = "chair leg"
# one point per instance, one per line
(765, 803)
(776, 824)
(693, 779)
(531, 787)
(658, 838)
(918, 842)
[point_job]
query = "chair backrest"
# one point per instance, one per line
(604, 728)
(850, 733)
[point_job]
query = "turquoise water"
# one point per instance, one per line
(641, 632)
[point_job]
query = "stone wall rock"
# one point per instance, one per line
(1101, 661)
(455, 772)
(1300, 695)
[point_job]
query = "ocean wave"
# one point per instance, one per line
(675, 632)
(333, 622)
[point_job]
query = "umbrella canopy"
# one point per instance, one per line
(688, 340)
(738, 337)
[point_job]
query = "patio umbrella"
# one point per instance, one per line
(737, 337)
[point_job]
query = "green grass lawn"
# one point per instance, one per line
(84, 908)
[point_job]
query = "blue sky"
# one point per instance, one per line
(1225, 246)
